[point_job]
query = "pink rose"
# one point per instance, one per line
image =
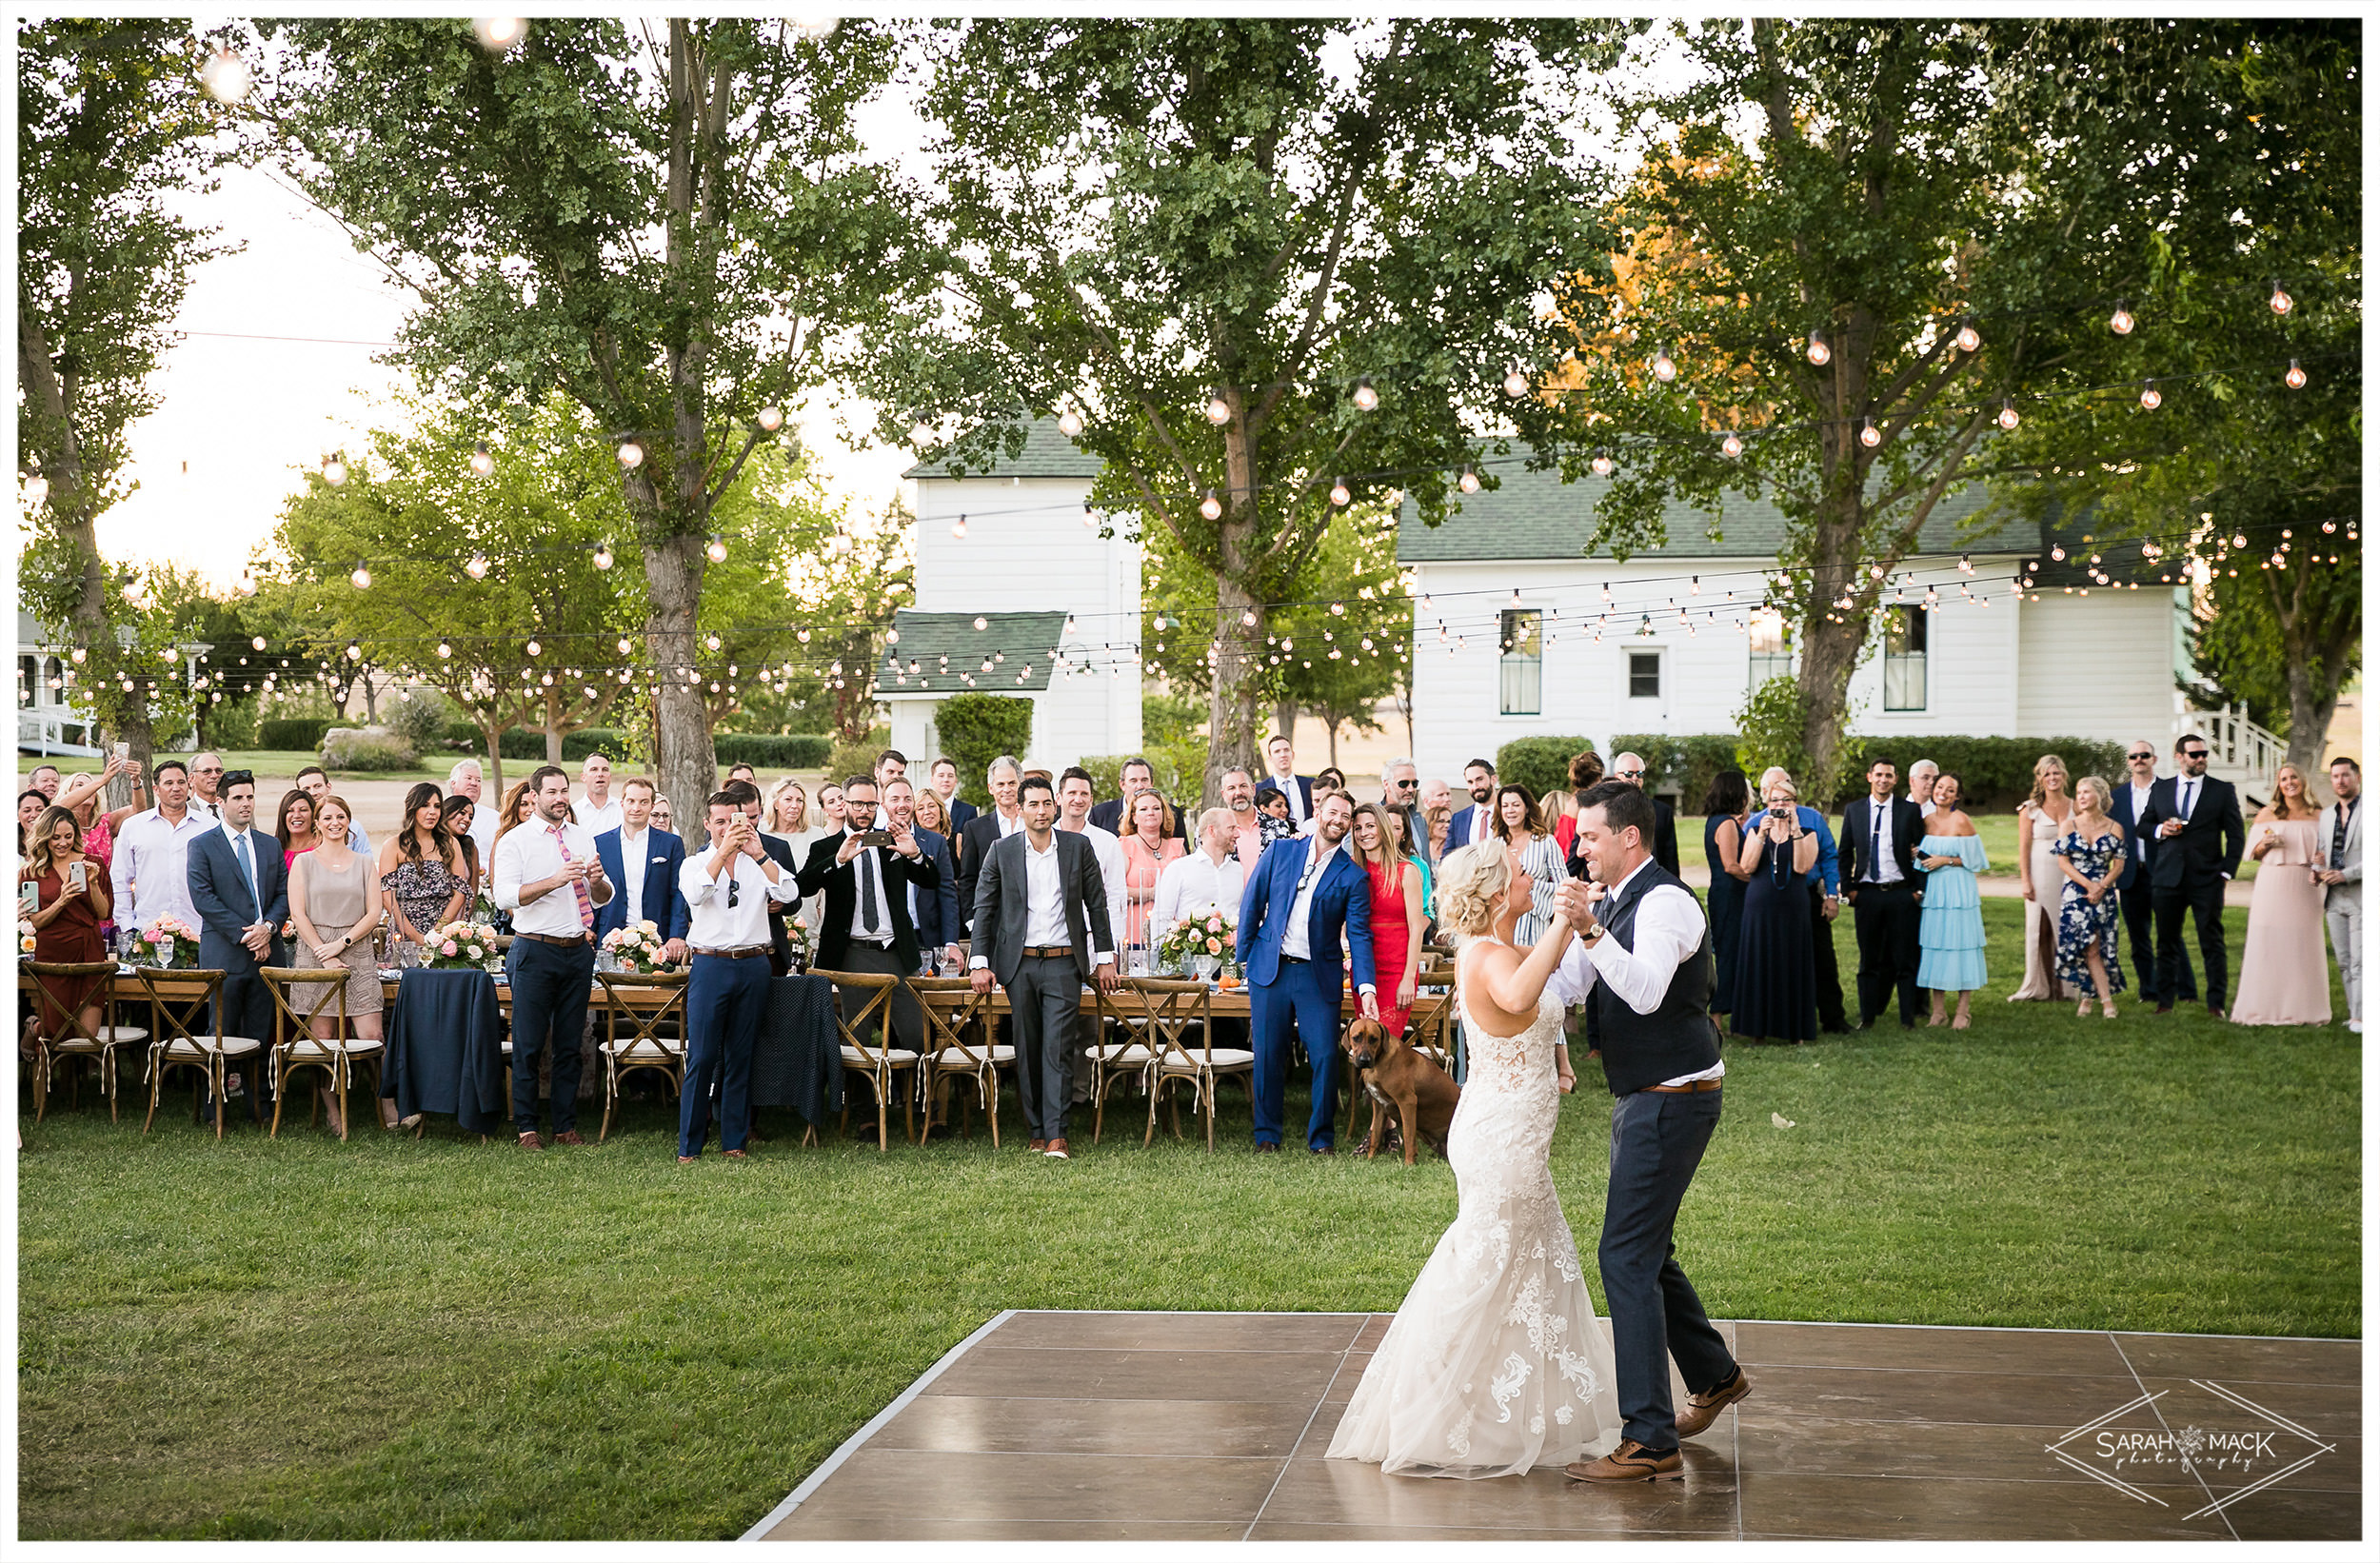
(447, 948)
(1215, 946)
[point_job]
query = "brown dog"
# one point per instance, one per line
(1400, 1081)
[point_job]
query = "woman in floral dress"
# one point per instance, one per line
(2089, 857)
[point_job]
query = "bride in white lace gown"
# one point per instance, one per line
(1497, 1361)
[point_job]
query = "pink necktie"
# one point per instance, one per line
(586, 905)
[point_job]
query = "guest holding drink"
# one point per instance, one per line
(1397, 914)
(335, 903)
(1949, 931)
(2284, 979)
(295, 828)
(1148, 845)
(1776, 984)
(1726, 809)
(2090, 859)
(2041, 823)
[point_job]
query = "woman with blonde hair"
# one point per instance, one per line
(788, 811)
(2090, 857)
(2041, 823)
(2284, 979)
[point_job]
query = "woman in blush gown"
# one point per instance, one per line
(1496, 1362)
(2041, 824)
(2284, 977)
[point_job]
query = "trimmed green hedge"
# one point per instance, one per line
(1684, 766)
(293, 732)
(1996, 773)
(1541, 765)
(977, 729)
(791, 751)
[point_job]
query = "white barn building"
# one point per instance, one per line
(1010, 547)
(1517, 634)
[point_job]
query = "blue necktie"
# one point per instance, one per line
(247, 871)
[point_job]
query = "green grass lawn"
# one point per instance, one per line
(436, 1339)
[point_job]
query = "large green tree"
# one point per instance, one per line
(672, 223)
(112, 123)
(1338, 237)
(1867, 250)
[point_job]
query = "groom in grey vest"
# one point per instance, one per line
(1643, 964)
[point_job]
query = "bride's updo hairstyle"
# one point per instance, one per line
(1471, 882)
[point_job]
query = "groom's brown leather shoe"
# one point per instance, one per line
(1631, 1461)
(1700, 1411)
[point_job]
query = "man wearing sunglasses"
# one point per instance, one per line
(2132, 892)
(2194, 819)
(1400, 792)
(1629, 768)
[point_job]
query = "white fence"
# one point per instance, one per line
(2241, 753)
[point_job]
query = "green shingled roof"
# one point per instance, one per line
(1047, 454)
(1535, 515)
(949, 650)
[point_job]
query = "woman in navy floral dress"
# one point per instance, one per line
(2088, 856)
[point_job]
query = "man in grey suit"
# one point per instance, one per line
(2341, 843)
(1040, 926)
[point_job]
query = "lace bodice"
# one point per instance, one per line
(1514, 1063)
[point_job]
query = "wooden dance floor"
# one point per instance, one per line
(1082, 1426)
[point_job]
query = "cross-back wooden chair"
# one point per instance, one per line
(174, 992)
(62, 1033)
(880, 1065)
(958, 1047)
(299, 1048)
(1176, 1011)
(653, 1004)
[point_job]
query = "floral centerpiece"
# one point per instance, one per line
(455, 946)
(25, 939)
(1197, 940)
(798, 945)
(636, 948)
(167, 941)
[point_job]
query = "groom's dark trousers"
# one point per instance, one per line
(1657, 1140)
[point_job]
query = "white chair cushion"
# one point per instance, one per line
(1133, 1056)
(203, 1047)
(626, 1048)
(318, 1047)
(1223, 1058)
(951, 1057)
(901, 1056)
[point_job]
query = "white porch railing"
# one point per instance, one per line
(43, 732)
(2241, 753)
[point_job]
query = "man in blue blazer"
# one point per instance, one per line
(241, 892)
(934, 911)
(1477, 822)
(1305, 896)
(2131, 801)
(643, 862)
(1282, 776)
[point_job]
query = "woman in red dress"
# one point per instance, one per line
(73, 894)
(1396, 916)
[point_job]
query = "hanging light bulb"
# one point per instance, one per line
(631, 454)
(224, 76)
(499, 33)
(477, 568)
(2120, 322)
(361, 576)
(444, 650)
(1870, 435)
(1820, 352)
(770, 418)
(482, 463)
(77, 655)
(1664, 366)
(2282, 304)
(920, 432)
(1515, 384)
(1211, 507)
(981, 623)
(1367, 400)
(1732, 446)
(1247, 616)
(1340, 494)
(36, 489)
(1602, 464)
(335, 469)
(1969, 339)
(2295, 379)
(2150, 400)
(603, 555)
(258, 643)
(622, 644)
(1070, 422)
(1217, 410)
(711, 641)
(717, 552)
(1469, 482)
(534, 648)
(959, 528)
(2007, 412)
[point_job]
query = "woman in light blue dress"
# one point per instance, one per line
(1949, 931)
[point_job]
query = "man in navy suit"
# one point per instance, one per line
(1879, 879)
(1284, 777)
(2133, 886)
(944, 778)
(2194, 819)
(241, 892)
(643, 862)
(1304, 894)
(1476, 823)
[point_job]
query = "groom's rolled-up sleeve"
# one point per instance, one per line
(1668, 929)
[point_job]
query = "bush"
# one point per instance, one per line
(422, 719)
(1684, 766)
(1993, 773)
(291, 732)
(530, 743)
(978, 730)
(232, 725)
(365, 749)
(1541, 765)
(858, 758)
(790, 751)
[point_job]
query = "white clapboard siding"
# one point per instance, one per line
(2099, 666)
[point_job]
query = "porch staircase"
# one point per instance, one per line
(2241, 753)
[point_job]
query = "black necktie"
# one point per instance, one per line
(867, 890)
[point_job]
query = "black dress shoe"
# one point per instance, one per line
(1263, 1147)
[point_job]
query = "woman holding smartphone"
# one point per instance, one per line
(67, 903)
(1776, 987)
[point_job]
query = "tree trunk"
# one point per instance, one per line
(1285, 718)
(492, 728)
(689, 761)
(1334, 737)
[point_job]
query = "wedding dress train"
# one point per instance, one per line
(1496, 1362)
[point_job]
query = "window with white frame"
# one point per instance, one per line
(1644, 675)
(1520, 683)
(1905, 633)
(1772, 641)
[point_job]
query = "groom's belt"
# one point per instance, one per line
(1048, 952)
(1712, 1084)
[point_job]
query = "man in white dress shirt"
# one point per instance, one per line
(1211, 879)
(1074, 813)
(148, 876)
(549, 878)
(2341, 845)
(1643, 962)
(468, 780)
(1247, 827)
(729, 890)
(598, 809)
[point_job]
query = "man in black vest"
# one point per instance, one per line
(1880, 835)
(2194, 819)
(1643, 966)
